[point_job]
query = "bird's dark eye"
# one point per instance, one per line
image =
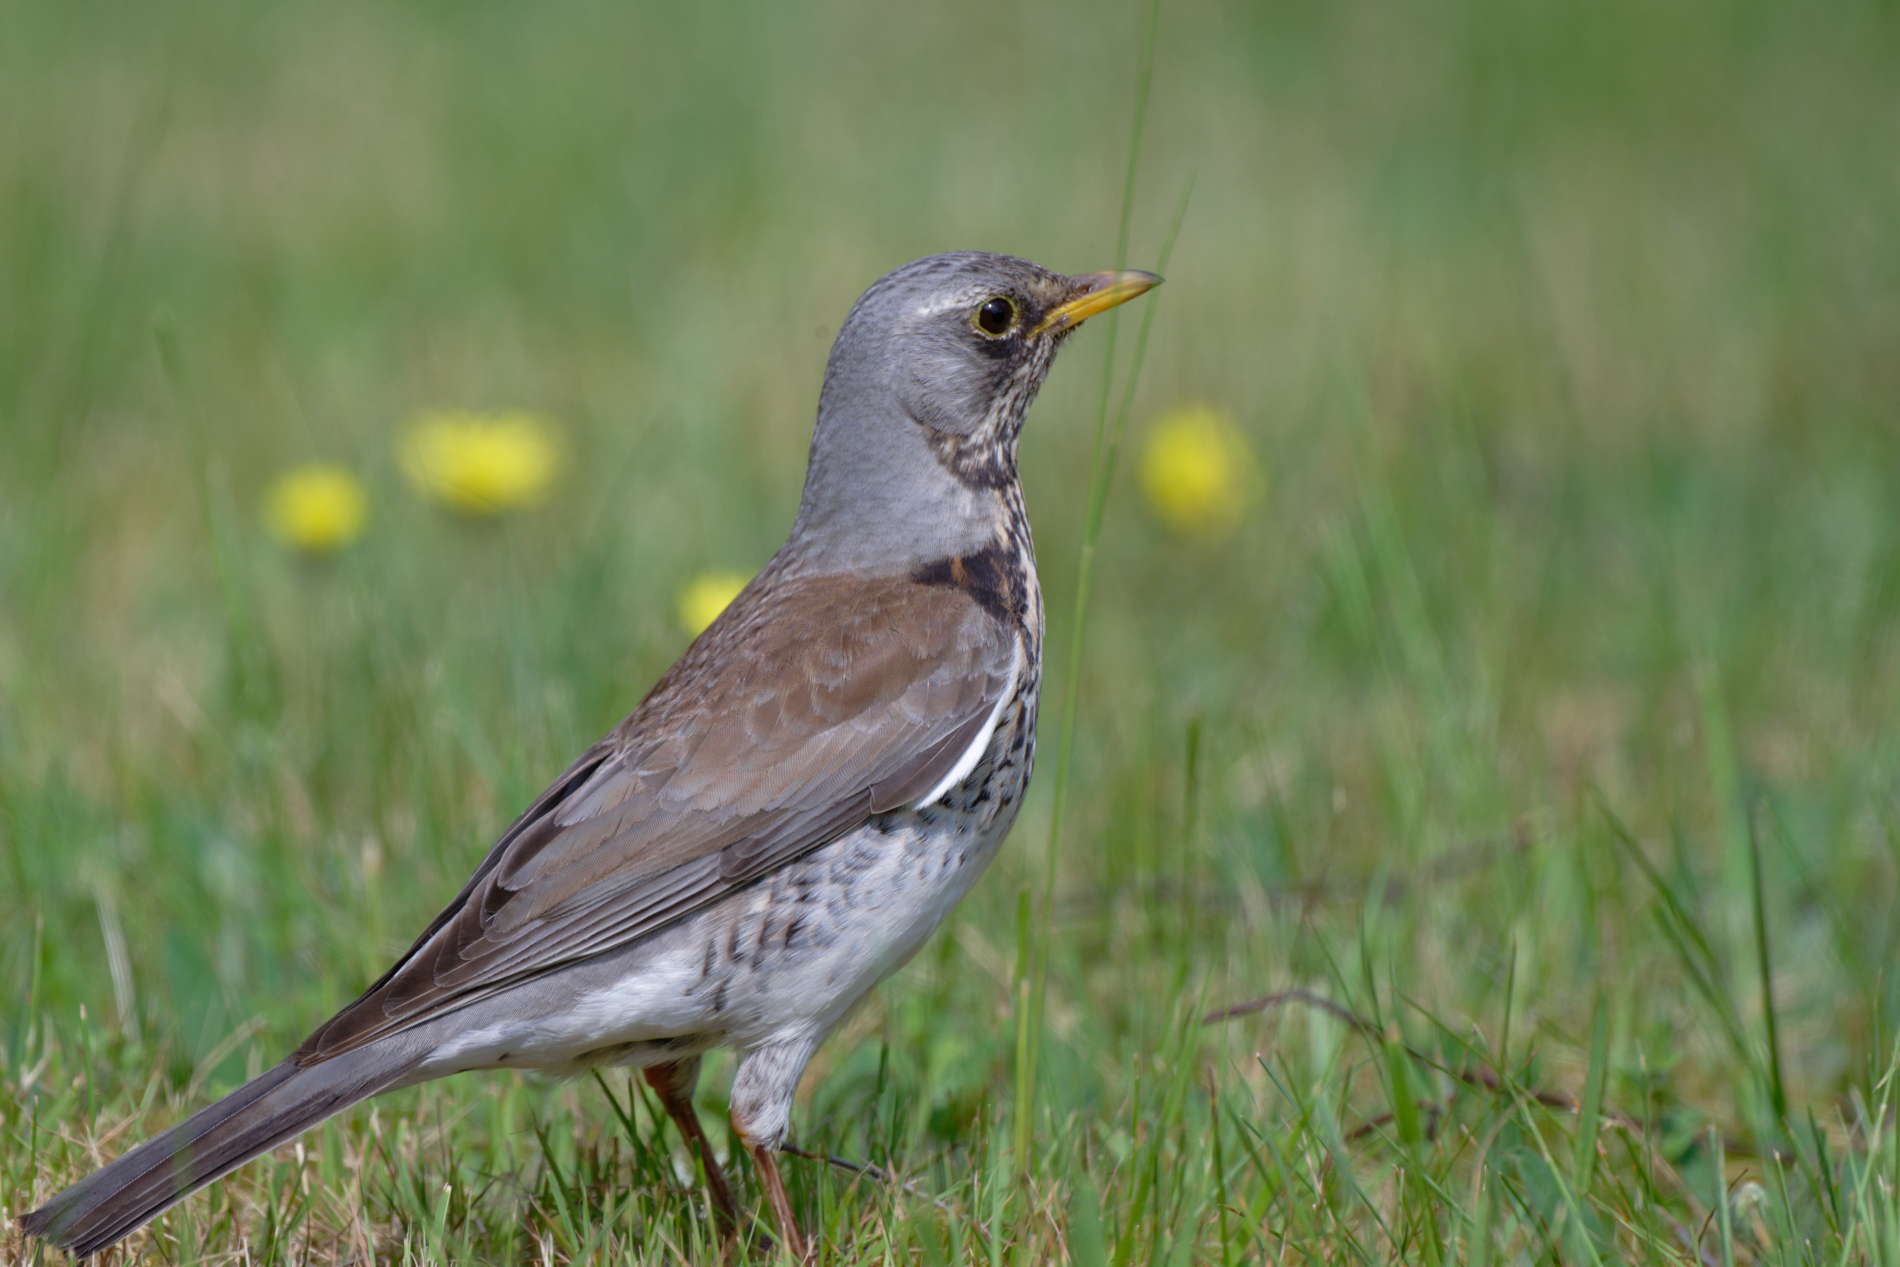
(996, 316)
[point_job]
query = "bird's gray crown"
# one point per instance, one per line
(924, 397)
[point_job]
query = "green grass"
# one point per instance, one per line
(1534, 743)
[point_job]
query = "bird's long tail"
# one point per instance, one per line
(276, 1106)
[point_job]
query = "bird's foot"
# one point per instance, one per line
(801, 1249)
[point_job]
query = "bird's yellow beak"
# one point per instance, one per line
(1096, 292)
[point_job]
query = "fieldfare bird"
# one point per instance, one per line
(786, 816)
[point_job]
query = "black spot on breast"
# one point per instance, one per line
(993, 576)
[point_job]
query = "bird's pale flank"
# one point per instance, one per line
(784, 818)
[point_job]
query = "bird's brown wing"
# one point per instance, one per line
(809, 706)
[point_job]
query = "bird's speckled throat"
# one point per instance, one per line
(986, 458)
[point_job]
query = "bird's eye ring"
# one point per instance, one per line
(996, 315)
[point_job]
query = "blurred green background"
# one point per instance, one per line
(1566, 335)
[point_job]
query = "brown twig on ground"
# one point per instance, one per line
(1296, 995)
(870, 1171)
(1433, 1110)
(1470, 1075)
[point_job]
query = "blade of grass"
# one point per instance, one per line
(625, 1115)
(1479, 1252)
(1724, 1224)
(1221, 1196)
(1777, 1091)
(1510, 991)
(1685, 935)
(250, 668)
(1566, 1191)
(1404, 1097)
(1101, 471)
(1589, 1112)
(85, 1046)
(1087, 1245)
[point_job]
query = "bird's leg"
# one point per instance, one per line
(761, 1112)
(674, 1082)
(766, 1159)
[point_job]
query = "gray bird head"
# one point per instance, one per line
(923, 401)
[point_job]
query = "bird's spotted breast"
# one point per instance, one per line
(798, 950)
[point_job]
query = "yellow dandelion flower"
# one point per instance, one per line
(317, 509)
(480, 464)
(706, 596)
(1197, 473)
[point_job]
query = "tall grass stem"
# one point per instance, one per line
(1101, 468)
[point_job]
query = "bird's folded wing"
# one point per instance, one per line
(808, 707)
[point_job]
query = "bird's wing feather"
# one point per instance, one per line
(809, 706)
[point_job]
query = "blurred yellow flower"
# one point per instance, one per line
(709, 594)
(480, 464)
(317, 509)
(1197, 473)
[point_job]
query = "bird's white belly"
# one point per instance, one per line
(782, 960)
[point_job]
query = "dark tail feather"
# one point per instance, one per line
(263, 1113)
